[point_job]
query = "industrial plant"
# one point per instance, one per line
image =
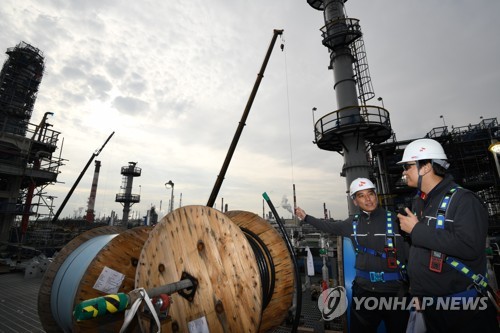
(29, 159)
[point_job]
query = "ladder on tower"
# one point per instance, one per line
(362, 72)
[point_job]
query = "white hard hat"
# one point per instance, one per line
(425, 149)
(359, 184)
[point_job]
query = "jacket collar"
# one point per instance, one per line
(378, 211)
(440, 188)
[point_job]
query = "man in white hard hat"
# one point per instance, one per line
(448, 228)
(381, 254)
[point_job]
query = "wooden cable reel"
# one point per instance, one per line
(277, 308)
(118, 249)
(213, 248)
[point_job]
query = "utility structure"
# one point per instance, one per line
(354, 126)
(90, 216)
(27, 161)
(126, 198)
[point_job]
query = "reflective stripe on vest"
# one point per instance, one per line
(389, 242)
(478, 279)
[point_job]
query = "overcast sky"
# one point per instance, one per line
(172, 78)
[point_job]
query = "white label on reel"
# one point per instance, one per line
(198, 325)
(109, 281)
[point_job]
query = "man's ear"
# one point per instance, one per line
(424, 169)
(355, 202)
(428, 167)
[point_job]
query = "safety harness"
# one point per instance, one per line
(437, 258)
(390, 254)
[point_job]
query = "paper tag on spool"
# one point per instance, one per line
(109, 281)
(198, 326)
(310, 262)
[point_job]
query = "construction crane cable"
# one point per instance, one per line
(288, 110)
(289, 127)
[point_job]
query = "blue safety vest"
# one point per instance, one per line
(389, 253)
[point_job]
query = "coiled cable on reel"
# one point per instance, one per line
(265, 264)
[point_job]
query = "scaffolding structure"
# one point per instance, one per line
(20, 78)
(28, 163)
(472, 165)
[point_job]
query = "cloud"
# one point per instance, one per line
(130, 105)
(100, 86)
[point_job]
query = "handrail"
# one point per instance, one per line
(351, 116)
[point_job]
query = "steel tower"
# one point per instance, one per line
(27, 161)
(126, 198)
(354, 126)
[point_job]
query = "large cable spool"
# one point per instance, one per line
(71, 277)
(208, 246)
(273, 250)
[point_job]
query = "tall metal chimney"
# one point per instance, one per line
(93, 192)
(354, 125)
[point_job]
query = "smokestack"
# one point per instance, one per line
(89, 217)
(349, 129)
(294, 200)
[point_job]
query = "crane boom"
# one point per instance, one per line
(239, 130)
(96, 153)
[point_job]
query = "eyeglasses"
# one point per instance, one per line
(407, 166)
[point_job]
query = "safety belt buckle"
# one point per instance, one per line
(403, 274)
(480, 281)
(391, 257)
(377, 277)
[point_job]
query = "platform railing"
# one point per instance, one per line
(350, 117)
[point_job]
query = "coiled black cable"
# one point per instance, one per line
(265, 263)
(298, 310)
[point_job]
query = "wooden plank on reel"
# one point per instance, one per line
(206, 244)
